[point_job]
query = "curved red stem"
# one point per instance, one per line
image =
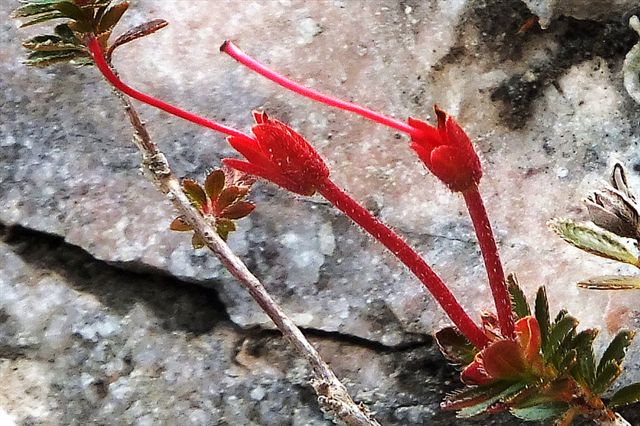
(232, 50)
(105, 69)
(409, 257)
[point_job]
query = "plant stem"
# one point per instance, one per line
(492, 262)
(409, 257)
(106, 71)
(333, 397)
(232, 50)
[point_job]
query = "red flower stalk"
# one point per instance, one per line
(446, 151)
(279, 154)
(409, 257)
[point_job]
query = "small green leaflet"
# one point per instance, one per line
(595, 241)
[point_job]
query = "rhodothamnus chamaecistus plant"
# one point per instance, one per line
(279, 154)
(518, 359)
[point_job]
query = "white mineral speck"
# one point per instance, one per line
(257, 393)
(307, 30)
(562, 172)
(327, 239)
(6, 419)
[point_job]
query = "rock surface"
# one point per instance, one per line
(546, 109)
(82, 342)
(548, 10)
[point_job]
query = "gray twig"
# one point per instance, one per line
(333, 397)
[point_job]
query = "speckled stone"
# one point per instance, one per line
(82, 342)
(547, 111)
(548, 10)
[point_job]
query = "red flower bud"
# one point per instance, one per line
(446, 151)
(280, 155)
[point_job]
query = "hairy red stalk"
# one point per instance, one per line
(101, 63)
(232, 50)
(492, 262)
(409, 257)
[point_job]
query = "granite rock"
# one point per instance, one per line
(548, 10)
(82, 342)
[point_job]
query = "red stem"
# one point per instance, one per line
(103, 66)
(232, 50)
(492, 262)
(409, 257)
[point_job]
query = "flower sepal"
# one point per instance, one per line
(280, 155)
(447, 151)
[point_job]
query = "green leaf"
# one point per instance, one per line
(540, 412)
(454, 346)
(32, 9)
(625, 396)
(542, 314)
(71, 11)
(605, 377)
(43, 59)
(43, 18)
(519, 303)
(472, 395)
(64, 32)
(197, 242)
(195, 193)
(214, 183)
(487, 403)
(180, 224)
(49, 43)
(561, 314)
(92, 4)
(238, 210)
(112, 16)
(599, 242)
(557, 335)
(41, 1)
(230, 195)
(616, 350)
(83, 26)
(585, 369)
(611, 282)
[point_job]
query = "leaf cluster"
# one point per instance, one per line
(80, 19)
(568, 382)
(221, 199)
